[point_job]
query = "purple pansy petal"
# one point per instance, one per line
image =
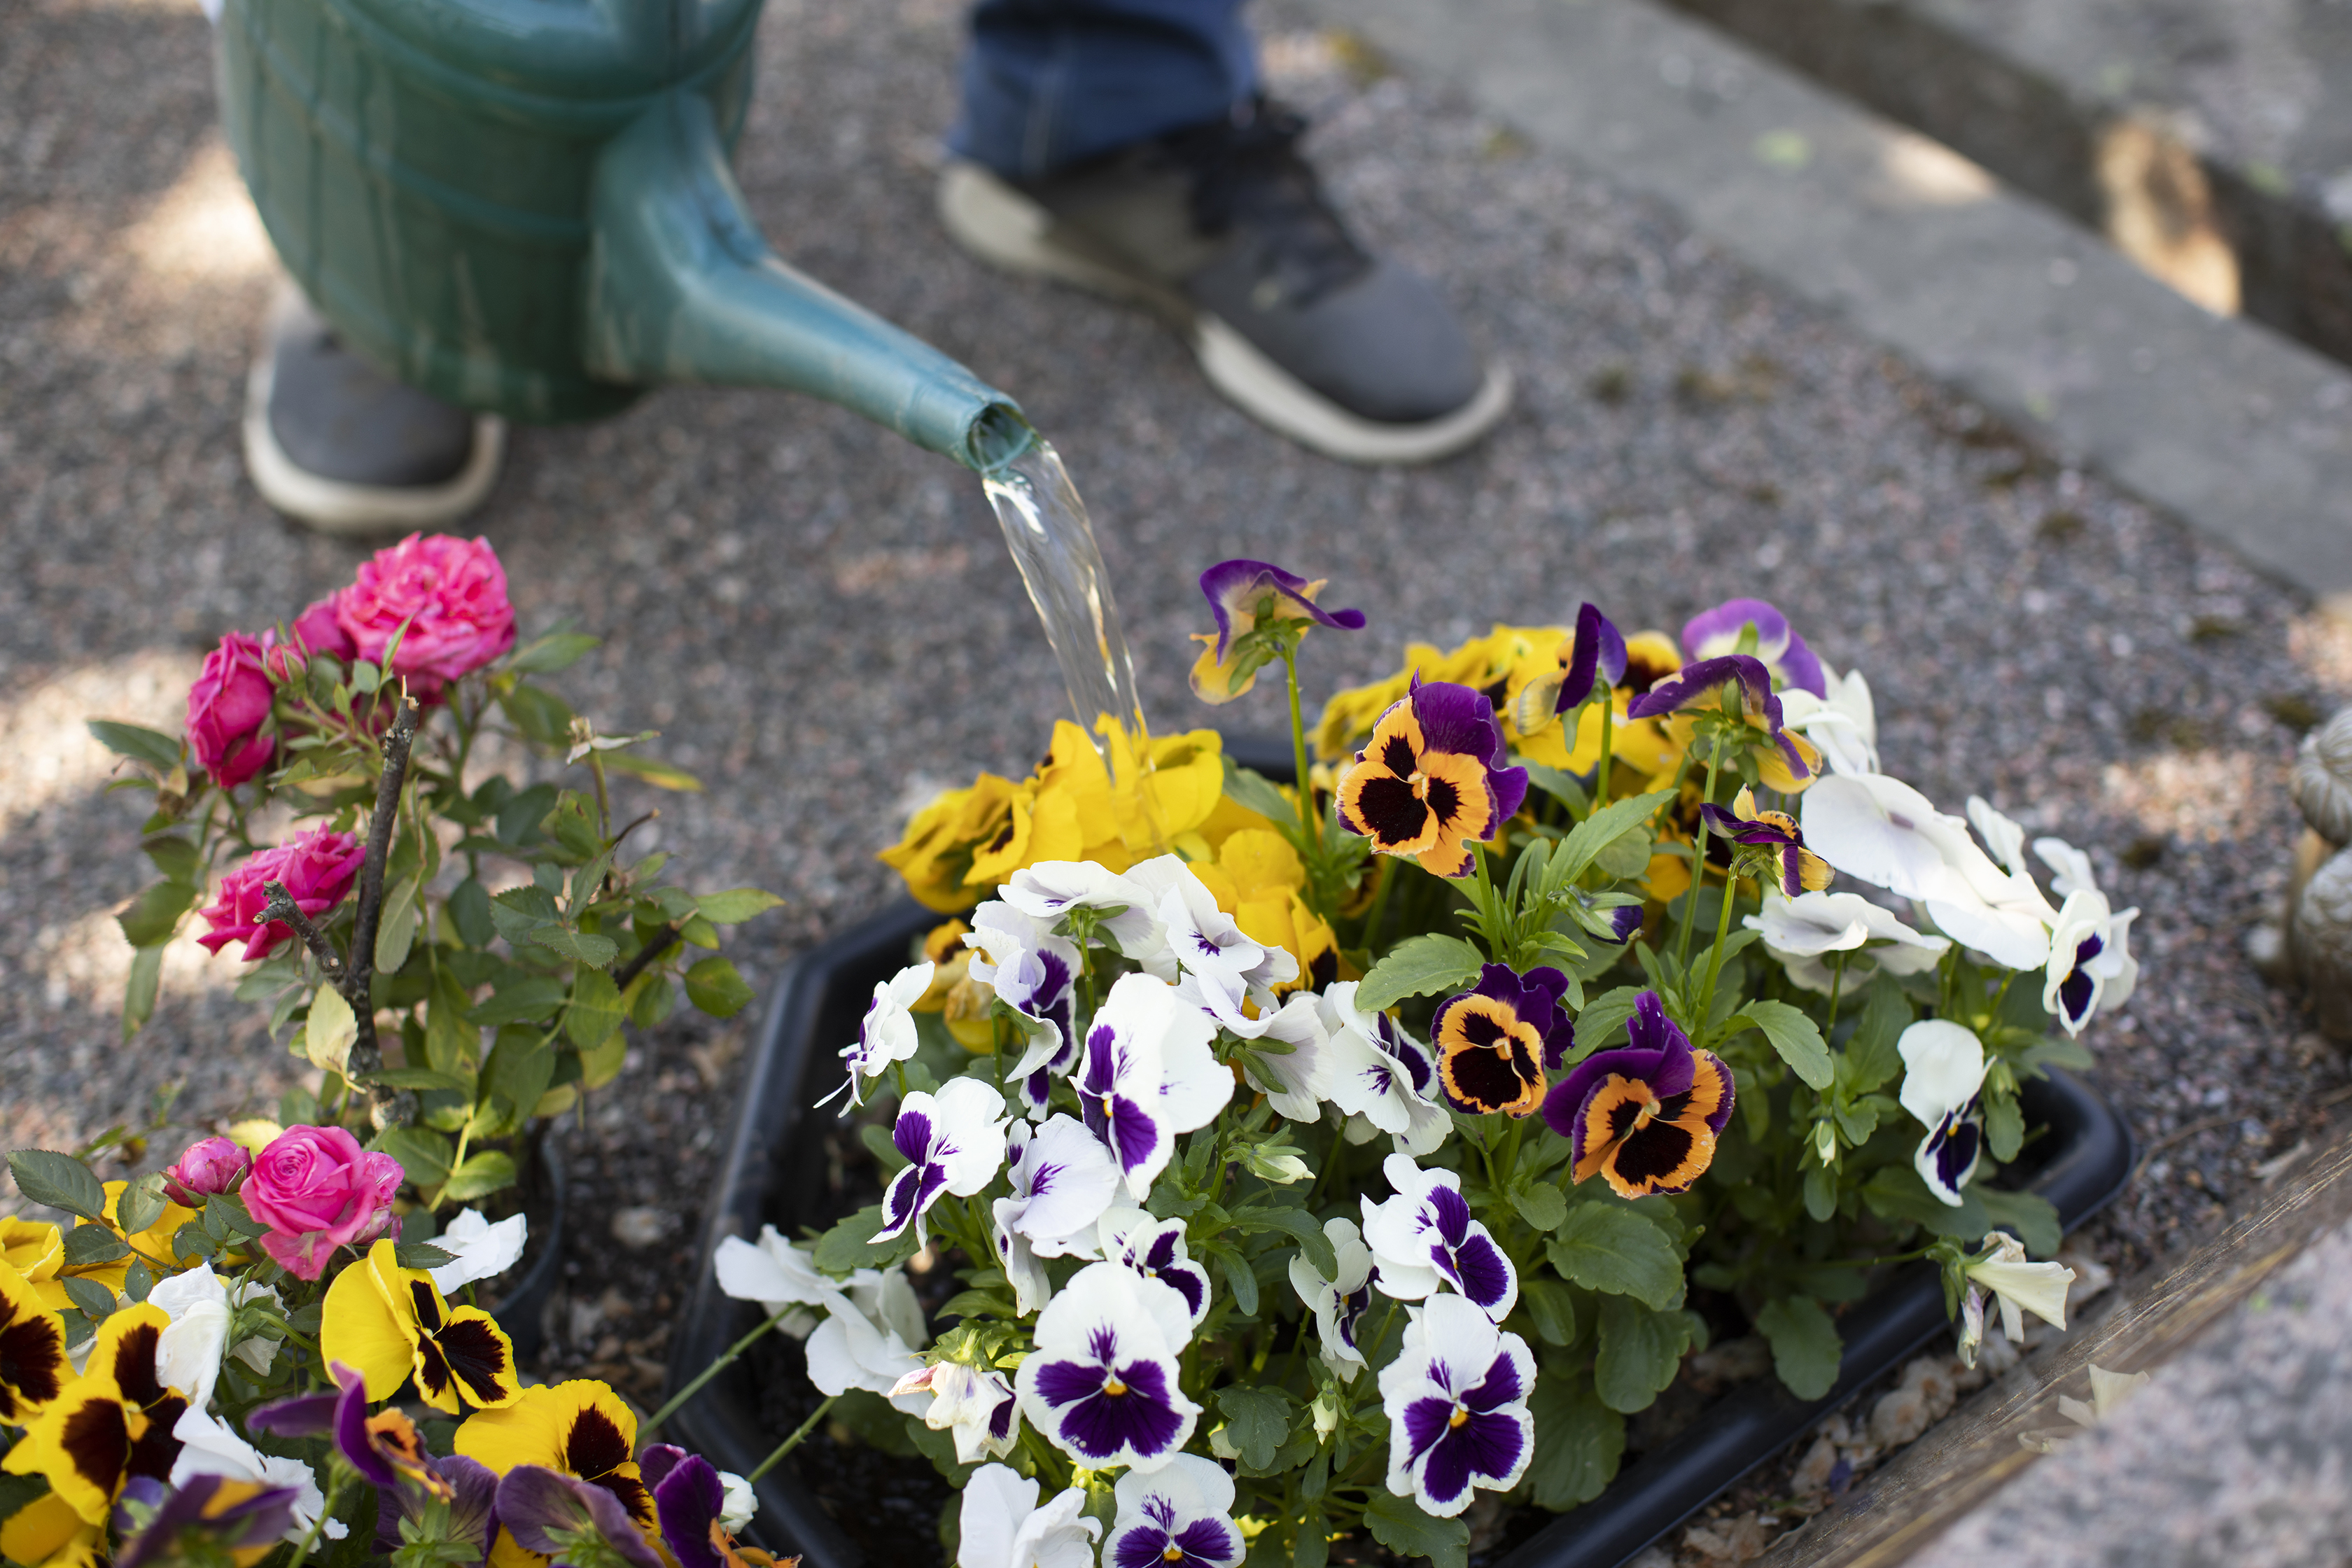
(688, 1500)
(1451, 1214)
(1777, 643)
(1188, 1280)
(1485, 1445)
(912, 1134)
(1457, 719)
(473, 1504)
(1600, 652)
(1502, 1385)
(1099, 1425)
(1660, 1056)
(1235, 587)
(1483, 1274)
(533, 1501)
(1626, 920)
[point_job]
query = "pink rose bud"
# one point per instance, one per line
(451, 592)
(318, 868)
(213, 1165)
(316, 1190)
(225, 710)
(316, 631)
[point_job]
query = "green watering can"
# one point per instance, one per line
(525, 207)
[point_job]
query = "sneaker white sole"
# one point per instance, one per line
(1004, 228)
(332, 506)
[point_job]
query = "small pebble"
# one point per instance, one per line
(640, 1225)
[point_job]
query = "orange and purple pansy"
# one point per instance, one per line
(1646, 1116)
(1426, 783)
(1800, 870)
(1240, 594)
(1496, 1041)
(1787, 761)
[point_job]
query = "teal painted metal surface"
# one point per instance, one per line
(524, 206)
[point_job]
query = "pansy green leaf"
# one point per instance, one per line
(1579, 1441)
(1419, 966)
(2033, 1216)
(1640, 1351)
(485, 1173)
(1398, 1524)
(713, 987)
(1539, 1204)
(1871, 1056)
(1895, 1191)
(58, 1181)
(849, 1246)
(1257, 1421)
(976, 1304)
(1241, 1281)
(1255, 792)
(1552, 1310)
(1795, 1036)
(1562, 787)
(1805, 1344)
(1298, 1224)
(736, 905)
(2004, 1126)
(1605, 1248)
(876, 1139)
(1596, 833)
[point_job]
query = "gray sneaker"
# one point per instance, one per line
(1224, 229)
(333, 442)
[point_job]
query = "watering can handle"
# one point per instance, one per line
(682, 287)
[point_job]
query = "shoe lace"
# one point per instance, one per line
(1247, 173)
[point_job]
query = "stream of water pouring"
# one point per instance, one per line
(1052, 542)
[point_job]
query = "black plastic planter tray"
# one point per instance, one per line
(771, 1168)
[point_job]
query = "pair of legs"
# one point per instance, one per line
(1122, 145)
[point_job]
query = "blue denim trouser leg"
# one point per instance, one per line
(1049, 82)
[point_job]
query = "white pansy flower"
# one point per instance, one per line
(1000, 1524)
(1841, 725)
(2020, 1285)
(1380, 1074)
(868, 1338)
(1339, 1304)
(1062, 1179)
(188, 1352)
(483, 1251)
(1798, 931)
(886, 1033)
(1944, 1067)
(209, 1447)
(1881, 831)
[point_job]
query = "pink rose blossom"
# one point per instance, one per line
(316, 1190)
(213, 1165)
(226, 707)
(318, 868)
(451, 592)
(316, 631)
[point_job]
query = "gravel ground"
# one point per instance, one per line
(824, 623)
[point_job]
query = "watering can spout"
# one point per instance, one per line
(682, 287)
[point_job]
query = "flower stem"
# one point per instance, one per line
(1698, 856)
(1601, 773)
(1837, 988)
(1298, 750)
(669, 1407)
(325, 1513)
(1379, 915)
(789, 1444)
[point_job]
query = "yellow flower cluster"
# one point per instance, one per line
(959, 848)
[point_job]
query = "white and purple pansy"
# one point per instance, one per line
(1035, 972)
(1202, 938)
(1381, 1073)
(1711, 634)
(1062, 1181)
(1425, 1238)
(886, 1033)
(1943, 1070)
(1286, 1061)
(2090, 966)
(1148, 1074)
(1000, 1525)
(953, 1141)
(1179, 1516)
(1101, 1382)
(1456, 1397)
(1155, 1249)
(1050, 890)
(1339, 1304)
(973, 1402)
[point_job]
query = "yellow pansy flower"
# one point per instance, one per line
(387, 1323)
(48, 1533)
(36, 1249)
(581, 1428)
(111, 1423)
(33, 1366)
